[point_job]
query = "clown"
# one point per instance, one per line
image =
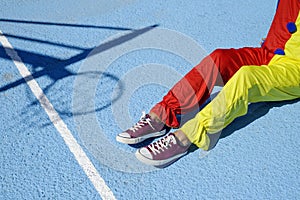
(267, 73)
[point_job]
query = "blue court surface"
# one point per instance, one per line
(74, 74)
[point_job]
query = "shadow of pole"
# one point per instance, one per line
(64, 24)
(56, 68)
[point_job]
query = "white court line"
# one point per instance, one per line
(59, 124)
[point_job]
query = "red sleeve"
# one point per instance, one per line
(283, 25)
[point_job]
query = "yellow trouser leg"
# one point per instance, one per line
(278, 81)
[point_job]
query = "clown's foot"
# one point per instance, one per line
(145, 128)
(162, 152)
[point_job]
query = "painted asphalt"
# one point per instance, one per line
(100, 64)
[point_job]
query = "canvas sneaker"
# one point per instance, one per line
(145, 128)
(164, 151)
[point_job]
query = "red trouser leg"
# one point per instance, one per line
(195, 87)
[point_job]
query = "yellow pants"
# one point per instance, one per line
(277, 81)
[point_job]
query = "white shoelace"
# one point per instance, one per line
(162, 144)
(142, 122)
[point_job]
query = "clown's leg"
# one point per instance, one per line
(195, 87)
(276, 82)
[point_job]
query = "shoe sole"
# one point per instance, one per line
(140, 139)
(157, 163)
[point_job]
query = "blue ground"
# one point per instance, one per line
(97, 63)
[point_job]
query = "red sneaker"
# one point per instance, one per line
(145, 128)
(162, 152)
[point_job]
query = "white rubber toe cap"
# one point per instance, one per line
(145, 152)
(124, 135)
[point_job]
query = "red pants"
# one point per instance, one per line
(195, 87)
